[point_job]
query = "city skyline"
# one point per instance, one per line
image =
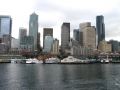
(53, 13)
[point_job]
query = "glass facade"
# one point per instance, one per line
(5, 25)
(48, 44)
(65, 36)
(33, 28)
(100, 27)
(76, 35)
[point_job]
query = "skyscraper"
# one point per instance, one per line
(33, 28)
(47, 32)
(38, 44)
(5, 25)
(48, 44)
(5, 30)
(76, 35)
(22, 33)
(65, 36)
(55, 47)
(89, 35)
(100, 27)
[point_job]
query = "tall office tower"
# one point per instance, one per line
(65, 36)
(33, 28)
(76, 35)
(100, 28)
(22, 33)
(81, 38)
(48, 44)
(47, 32)
(5, 25)
(89, 35)
(55, 48)
(38, 46)
(5, 30)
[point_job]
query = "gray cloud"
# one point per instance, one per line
(77, 16)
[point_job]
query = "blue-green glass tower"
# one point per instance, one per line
(100, 27)
(33, 28)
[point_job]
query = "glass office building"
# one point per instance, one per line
(33, 28)
(5, 25)
(76, 35)
(48, 44)
(100, 27)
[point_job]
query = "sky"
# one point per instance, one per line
(52, 13)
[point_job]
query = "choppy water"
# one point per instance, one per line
(59, 77)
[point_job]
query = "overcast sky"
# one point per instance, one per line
(52, 13)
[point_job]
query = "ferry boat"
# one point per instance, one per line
(33, 61)
(72, 60)
(52, 61)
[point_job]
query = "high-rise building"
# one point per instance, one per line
(100, 28)
(48, 44)
(81, 38)
(5, 25)
(33, 28)
(27, 43)
(15, 47)
(76, 35)
(89, 35)
(55, 48)
(65, 36)
(38, 46)
(47, 32)
(5, 31)
(22, 33)
(115, 45)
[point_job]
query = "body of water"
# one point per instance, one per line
(59, 77)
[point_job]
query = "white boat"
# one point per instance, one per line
(105, 61)
(70, 59)
(52, 60)
(13, 61)
(33, 61)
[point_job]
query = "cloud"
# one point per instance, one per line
(52, 13)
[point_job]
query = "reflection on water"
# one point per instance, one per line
(60, 77)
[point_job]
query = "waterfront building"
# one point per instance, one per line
(27, 44)
(79, 51)
(3, 48)
(115, 45)
(88, 35)
(33, 28)
(65, 36)
(100, 28)
(47, 32)
(6, 39)
(14, 43)
(48, 44)
(22, 33)
(104, 47)
(76, 35)
(15, 46)
(55, 47)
